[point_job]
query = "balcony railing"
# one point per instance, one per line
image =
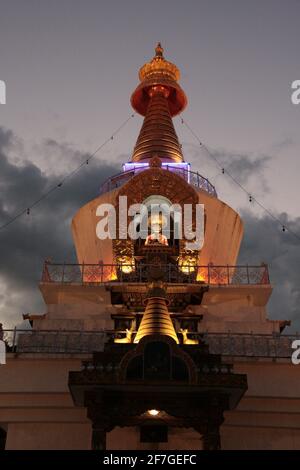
(191, 177)
(103, 273)
(83, 342)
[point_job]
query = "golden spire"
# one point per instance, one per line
(156, 319)
(158, 98)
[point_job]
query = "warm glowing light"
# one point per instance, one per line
(126, 264)
(187, 264)
(201, 277)
(187, 268)
(127, 268)
(153, 412)
(157, 221)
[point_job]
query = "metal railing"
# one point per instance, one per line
(82, 342)
(103, 273)
(191, 177)
(251, 345)
(54, 341)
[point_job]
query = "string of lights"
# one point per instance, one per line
(251, 198)
(66, 177)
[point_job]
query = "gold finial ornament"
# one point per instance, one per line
(158, 97)
(159, 50)
(159, 71)
(159, 65)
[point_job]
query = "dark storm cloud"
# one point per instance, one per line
(264, 241)
(242, 166)
(45, 232)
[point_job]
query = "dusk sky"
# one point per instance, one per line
(70, 67)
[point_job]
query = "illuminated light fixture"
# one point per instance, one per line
(130, 166)
(127, 268)
(136, 166)
(126, 264)
(187, 268)
(187, 265)
(153, 412)
(202, 275)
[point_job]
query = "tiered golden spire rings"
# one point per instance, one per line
(158, 98)
(157, 135)
(156, 319)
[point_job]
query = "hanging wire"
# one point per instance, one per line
(284, 227)
(67, 177)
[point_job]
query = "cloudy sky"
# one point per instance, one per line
(70, 67)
